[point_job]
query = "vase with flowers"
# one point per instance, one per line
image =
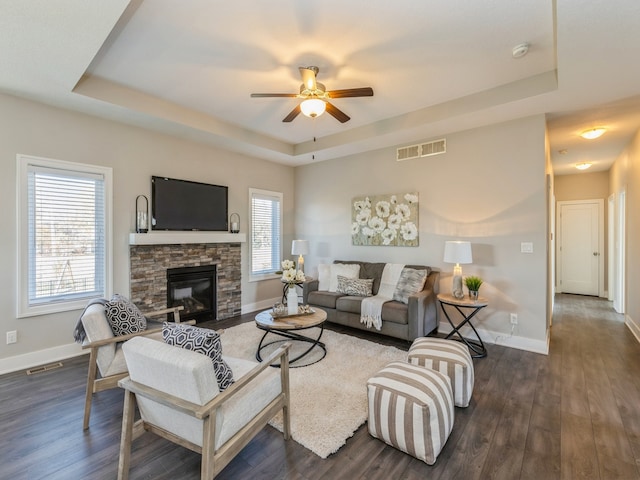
(291, 276)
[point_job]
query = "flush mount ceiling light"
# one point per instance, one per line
(583, 165)
(593, 133)
(313, 107)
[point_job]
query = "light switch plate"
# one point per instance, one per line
(526, 247)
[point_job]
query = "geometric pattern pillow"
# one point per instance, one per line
(200, 340)
(358, 287)
(124, 317)
(411, 281)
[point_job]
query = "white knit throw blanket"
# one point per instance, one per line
(371, 308)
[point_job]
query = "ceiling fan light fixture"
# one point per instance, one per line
(313, 107)
(583, 165)
(593, 133)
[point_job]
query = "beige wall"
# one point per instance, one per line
(488, 188)
(134, 154)
(625, 177)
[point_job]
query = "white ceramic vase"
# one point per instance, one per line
(292, 300)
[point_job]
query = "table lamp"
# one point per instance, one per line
(300, 248)
(457, 252)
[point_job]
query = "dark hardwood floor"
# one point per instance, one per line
(574, 414)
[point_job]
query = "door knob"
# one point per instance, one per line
(595, 254)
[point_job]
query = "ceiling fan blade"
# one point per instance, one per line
(263, 95)
(308, 78)
(351, 92)
(293, 114)
(337, 113)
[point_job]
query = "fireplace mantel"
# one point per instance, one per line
(180, 238)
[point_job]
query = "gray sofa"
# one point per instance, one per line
(406, 321)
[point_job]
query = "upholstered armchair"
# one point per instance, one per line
(105, 356)
(176, 392)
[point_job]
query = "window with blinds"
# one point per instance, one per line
(64, 224)
(266, 233)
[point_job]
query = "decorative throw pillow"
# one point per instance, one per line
(324, 276)
(349, 270)
(359, 287)
(124, 317)
(411, 281)
(203, 341)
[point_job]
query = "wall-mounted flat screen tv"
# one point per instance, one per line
(185, 205)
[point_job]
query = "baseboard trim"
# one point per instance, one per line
(40, 357)
(633, 326)
(502, 339)
(262, 305)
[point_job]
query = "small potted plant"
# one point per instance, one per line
(473, 284)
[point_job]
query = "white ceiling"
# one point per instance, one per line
(436, 67)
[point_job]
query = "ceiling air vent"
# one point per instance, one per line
(405, 153)
(423, 150)
(433, 148)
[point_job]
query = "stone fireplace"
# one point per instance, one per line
(150, 261)
(194, 289)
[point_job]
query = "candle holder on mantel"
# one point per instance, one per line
(234, 223)
(142, 215)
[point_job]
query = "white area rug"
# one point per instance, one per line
(329, 398)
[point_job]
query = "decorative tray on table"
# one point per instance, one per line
(302, 310)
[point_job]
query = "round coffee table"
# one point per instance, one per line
(288, 327)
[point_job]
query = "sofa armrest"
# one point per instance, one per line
(308, 287)
(423, 311)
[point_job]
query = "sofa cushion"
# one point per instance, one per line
(368, 270)
(396, 312)
(411, 281)
(349, 304)
(324, 299)
(201, 340)
(124, 317)
(324, 276)
(346, 270)
(359, 287)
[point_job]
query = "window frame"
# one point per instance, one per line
(257, 277)
(24, 162)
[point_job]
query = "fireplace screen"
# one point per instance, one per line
(195, 289)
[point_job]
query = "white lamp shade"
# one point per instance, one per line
(300, 247)
(457, 252)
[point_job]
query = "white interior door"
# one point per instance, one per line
(619, 254)
(579, 247)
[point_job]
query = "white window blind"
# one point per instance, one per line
(266, 232)
(64, 242)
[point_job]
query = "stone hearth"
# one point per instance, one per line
(148, 273)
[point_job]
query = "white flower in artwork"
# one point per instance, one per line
(366, 231)
(288, 264)
(411, 198)
(367, 202)
(393, 200)
(383, 209)
(358, 206)
(404, 211)
(394, 221)
(388, 235)
(355, 228)
(377, 224)
(363, 216)
(409, 231)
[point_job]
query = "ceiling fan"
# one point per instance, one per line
(315, 97)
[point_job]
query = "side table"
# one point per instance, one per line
(468, 309)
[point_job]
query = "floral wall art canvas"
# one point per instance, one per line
(385, 220)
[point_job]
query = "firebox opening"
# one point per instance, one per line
(194, 288)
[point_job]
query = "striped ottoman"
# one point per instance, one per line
(411, 409)
(449, 357)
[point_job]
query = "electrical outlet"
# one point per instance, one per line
(514, 319)
(12, 337)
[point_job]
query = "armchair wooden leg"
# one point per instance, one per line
(284, 372)
(207, 468)
(127, 435)
(91, 377)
